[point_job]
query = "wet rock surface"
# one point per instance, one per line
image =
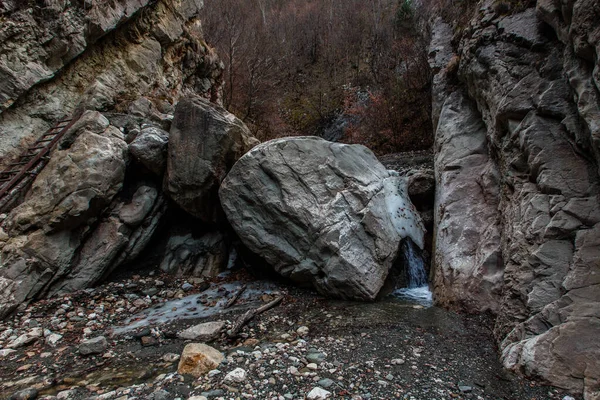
(308, 346)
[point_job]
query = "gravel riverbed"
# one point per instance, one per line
(308, 347)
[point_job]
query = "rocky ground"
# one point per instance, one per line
(307, 347)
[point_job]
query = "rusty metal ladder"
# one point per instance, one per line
(31, 160)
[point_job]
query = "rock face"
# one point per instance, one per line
(467, 236)
(517, 148)
(98, 55)
(73, 228)
(321, 213)
(99, 200)
(205, 142)
(187, 255)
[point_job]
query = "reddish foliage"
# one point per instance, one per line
(289, 66)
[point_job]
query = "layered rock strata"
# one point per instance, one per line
(517, 145)
(64, 55)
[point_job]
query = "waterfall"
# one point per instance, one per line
(417, 288)
(416, 276)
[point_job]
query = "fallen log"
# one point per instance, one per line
(248, 315)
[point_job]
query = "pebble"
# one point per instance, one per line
(53, 339)
(170, 357)
(318, 394)
(6, 352)
(26, 338)
(237, 375)
(302, 331)
(326, 383)
(465, 388)
(96, 345)
(27, 394)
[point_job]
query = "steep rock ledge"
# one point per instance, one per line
(533, 143)
(70, 55)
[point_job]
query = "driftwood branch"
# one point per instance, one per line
(235, 297)
(248, 315)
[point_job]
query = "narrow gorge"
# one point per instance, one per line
(299, 200)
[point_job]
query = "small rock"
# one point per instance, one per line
(197, 359)
(197, 398)
(214, 372)
(213, 393)
(26, 338)
(326, 383)
(96, 345)
(312, 366)
(53, 339)
(149, 341)
(170, 357)
(318, 394)
(150, 292)
(203, 332)
(186, 287)
(465, 388)
(65, 394)
(27, 394)
(237, 375)
(316, 358)
(303, 330)
(160, 395)
(6, 352)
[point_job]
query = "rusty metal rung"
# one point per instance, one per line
(32, 156)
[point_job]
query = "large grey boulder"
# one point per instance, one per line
(205, 141)
(322, 213)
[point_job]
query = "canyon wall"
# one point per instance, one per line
(517, 230)
(58, 56)
(122, 65)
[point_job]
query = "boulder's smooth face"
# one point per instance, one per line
(204, 143)
(323, 213)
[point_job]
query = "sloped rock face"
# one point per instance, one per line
(99, 200)
(73, 229)
(529, 131)
(60, 56)
(321, 213)
(467, 236)
(205, 142)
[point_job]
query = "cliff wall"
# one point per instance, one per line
(518, 206)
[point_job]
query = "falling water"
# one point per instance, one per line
(417, 288)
